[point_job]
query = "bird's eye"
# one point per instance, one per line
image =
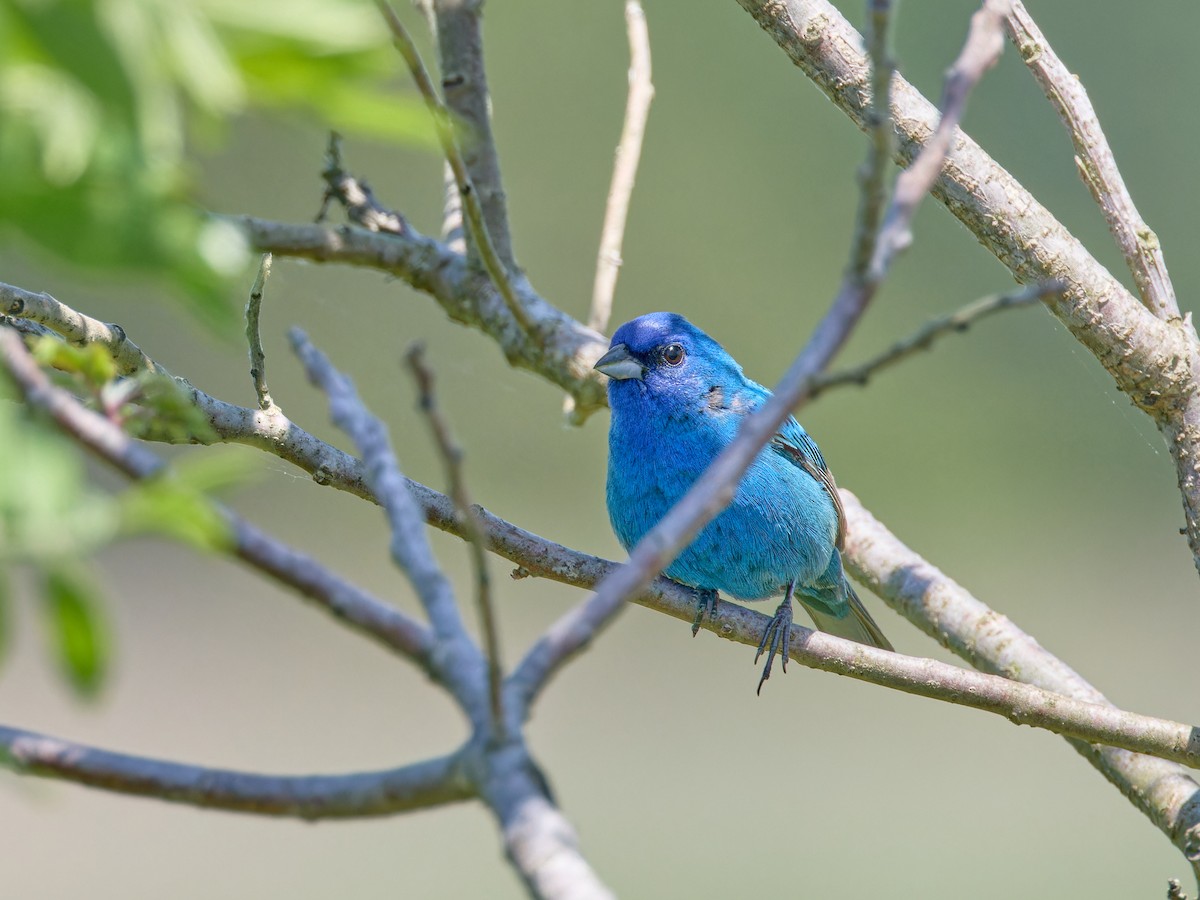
(673, 354)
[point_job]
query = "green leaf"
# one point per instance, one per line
(47, 509)
(161, 410)
(91, 361)
(77, 633)
(165, 506)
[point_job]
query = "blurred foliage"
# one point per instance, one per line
(99, 100)
(75, 628)
(52, 519)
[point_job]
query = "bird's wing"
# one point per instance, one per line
(793, 442)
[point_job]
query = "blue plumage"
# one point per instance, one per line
(677, 401)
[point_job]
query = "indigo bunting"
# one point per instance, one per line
(677, 401)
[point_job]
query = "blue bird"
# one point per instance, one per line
(677, 401)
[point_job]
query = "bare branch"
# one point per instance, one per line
(565, 350)
(350, 604)
(1160, 789)
(77, 328)
(629, 154)
(1142, 353)
(1165, 792)
(1156, 363)
(1096, 163)
(497, 267)
(452, 457)
(713, 491)
(923, 338)
(985, 41)
(433, 782)
(982, 48)
(458, 28)
(872, 195)
(258, 360)
(460, 663)
(355, 195)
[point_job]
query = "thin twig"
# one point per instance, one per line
(355, 195)
(872, 174)
(488, 255)
(981, 50)
(461, 665)
(433, 782)
(923, 338)
(1162, 790)
(452, 458)
(348, 603)
(258, 360)
(1097, 166)
(1154, 362)
(629, 154)
(985, 42)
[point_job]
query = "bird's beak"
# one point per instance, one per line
(619, 364)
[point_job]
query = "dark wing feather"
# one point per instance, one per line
(794, 443)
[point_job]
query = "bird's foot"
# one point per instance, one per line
(778, 636)
(706, 605)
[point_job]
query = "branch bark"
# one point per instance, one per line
(1097, 165)
(422, 785)
(346, 602)
(458, 27)
(1166, 793)
(1155, 362)
(564, 352)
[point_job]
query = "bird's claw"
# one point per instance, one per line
(706, 605)
(778, 636)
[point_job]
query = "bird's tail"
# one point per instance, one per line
(856, 626)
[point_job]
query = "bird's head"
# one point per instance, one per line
(665, 353)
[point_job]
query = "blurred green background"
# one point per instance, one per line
(1005, 456)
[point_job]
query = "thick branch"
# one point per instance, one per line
(1097, 166)
(459, 33)
(1032, 706)
(713, 491)
(1165, 792)
(564, 351)
(498, 267)
(422, 785)
(881, 247)
(1148, 358)
(1155, 362)
(77, 328)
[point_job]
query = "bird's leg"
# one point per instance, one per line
(777, 636)
(706, 605)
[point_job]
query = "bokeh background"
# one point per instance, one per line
(1004, 455)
